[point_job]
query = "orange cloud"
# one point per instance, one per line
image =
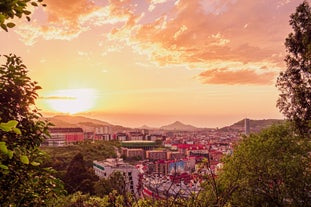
(247, 77)
(194, 33)
(204, 31)
(71, 10)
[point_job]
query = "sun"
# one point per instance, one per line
(71, 101)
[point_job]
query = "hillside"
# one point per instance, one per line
(87, 124)
(255, 125)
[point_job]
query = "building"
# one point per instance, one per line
(64, 136)
(171, 167)
(175, 155)
(246, 127)
(136, 136)
(146, 145)
(155, 137)
(156, 155)
(121, 136)
(105, 168)
(130, 153)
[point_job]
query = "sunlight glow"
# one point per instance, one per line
(72, 101)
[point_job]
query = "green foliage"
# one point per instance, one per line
(9, 9)
(295, 82)
(271, 168)
(81, 200)
(60, 157)
(24, 182)
(78, 178)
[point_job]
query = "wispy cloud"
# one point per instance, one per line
(57, 98)
(245, 77)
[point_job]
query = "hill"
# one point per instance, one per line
(87, 124)
(255, 125)
(178, 126)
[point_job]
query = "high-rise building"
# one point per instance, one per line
(246, 126)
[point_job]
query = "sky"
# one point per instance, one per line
(209, 63)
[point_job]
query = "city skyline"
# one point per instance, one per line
(153, 62)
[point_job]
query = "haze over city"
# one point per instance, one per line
(203, 62)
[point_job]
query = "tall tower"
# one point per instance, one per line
(246, 126)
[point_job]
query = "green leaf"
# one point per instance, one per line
(24, 159)
(35, 163)
(10, 154)
(17, 131)
(8, 126)
(4, 167)
(2, 18)
(3, 148)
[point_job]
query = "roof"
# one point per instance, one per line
(140, 143)
(65, 130)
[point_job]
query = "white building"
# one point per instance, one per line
(103, 169)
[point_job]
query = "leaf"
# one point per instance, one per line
(17, 131)
(4, 167)
(2, 18)
(10, 154)
(3, 148)
(34, 4)
(10, 25)
(11, 123)
(26, 12)
(24, 159)
(3, 26)
(33, 163)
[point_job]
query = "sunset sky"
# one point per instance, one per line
(208, 63)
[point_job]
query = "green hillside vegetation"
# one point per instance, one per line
(60, 157)
(257, 125)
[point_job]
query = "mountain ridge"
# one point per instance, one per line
(89, 124)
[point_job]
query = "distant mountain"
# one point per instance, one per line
(178, 126)
(147, 127)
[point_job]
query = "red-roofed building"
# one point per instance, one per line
(64, 136)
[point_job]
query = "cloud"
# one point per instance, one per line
(242, 77)
(57, 98)
(208, 30)
(195, 34)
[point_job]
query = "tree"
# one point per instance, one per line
(271, 168)
(295, 82)
(78, 178)
(15, 8)
(23, 181)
